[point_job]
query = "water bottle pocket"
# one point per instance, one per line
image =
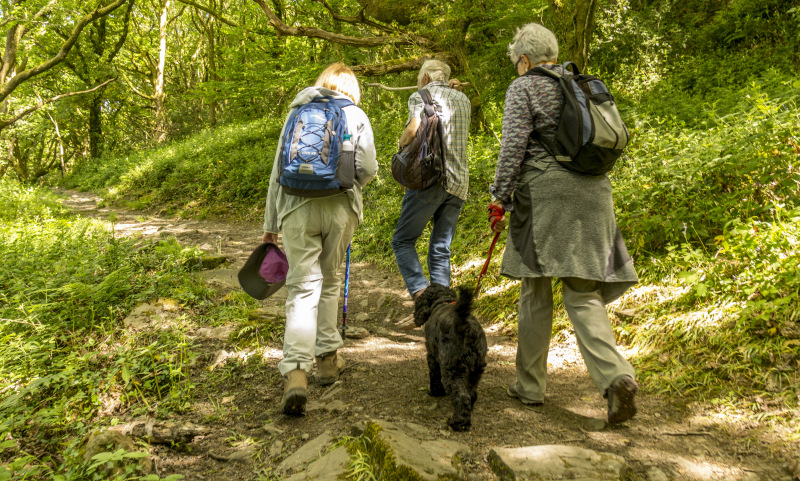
(345, 169)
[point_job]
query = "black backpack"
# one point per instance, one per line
(591, 134)
(420, 164)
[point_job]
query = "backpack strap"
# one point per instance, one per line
(571, 66)
(430, 110)
(341, 103)
(549, 73)
(428, 101)
(542, 72)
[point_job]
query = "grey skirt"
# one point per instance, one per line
(563, 225)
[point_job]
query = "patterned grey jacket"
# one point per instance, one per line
(533, 104)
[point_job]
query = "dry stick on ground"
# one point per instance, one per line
(218, 457)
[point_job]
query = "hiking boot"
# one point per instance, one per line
(512, 392)
(406, 323)
(328, 368)
(294, 392)
(621, 403)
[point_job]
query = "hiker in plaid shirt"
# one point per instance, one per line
(440, 202)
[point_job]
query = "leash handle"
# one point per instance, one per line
(486, 264)
(346, 290)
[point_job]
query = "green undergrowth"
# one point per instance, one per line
(724, 325)
(66, 283)
(683, 182)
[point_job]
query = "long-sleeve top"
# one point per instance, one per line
(279, 204)
(532, 110)
(562, 224)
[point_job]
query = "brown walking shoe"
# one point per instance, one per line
(294, 392)
(329, 366)
(621, 403)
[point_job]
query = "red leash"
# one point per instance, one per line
(486, 264)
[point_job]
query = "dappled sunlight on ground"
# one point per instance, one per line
(272, 354)
(383, 350)
(694, 468)
(650, 293)
(386, 378)
(500, 288)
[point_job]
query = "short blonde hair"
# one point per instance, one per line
(340, 77)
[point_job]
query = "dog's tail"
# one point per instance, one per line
(463, 305)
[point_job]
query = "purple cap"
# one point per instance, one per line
(264, 273)
(274, 266)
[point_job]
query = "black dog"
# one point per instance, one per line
(456, 347)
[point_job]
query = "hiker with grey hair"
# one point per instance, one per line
(442, 201)
(562, 225)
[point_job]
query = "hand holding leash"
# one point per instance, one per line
(497, 216)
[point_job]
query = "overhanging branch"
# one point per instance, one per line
(30, 110)
(361, 19)
(399, 89)
(314, 32)
(399, 66)
(218, 16)
(59, 57)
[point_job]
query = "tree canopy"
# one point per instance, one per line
(81, 79)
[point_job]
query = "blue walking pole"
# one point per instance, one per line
(346, 289)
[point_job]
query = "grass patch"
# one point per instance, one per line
(66, 365)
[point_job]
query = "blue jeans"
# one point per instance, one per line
(420, 206)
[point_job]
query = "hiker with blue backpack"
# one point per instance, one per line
(325, 156)
(561, 134)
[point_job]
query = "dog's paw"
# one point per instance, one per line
(437, 392)
(459, 425)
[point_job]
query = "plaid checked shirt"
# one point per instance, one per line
(453, 108)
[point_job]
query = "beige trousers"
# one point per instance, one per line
(315, 238)
(589, 318)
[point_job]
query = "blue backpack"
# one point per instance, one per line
(313, 163)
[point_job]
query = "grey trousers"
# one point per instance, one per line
(589, 318)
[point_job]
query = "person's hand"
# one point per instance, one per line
(454, 83)
(270, 237)
(497, 216)
(409, 132)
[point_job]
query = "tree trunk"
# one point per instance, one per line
(96, 126)
(60, 146)
(158, 93)
(17, 157)
(212, 71)
(575, 21)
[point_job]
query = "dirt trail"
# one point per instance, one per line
(386, 378)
